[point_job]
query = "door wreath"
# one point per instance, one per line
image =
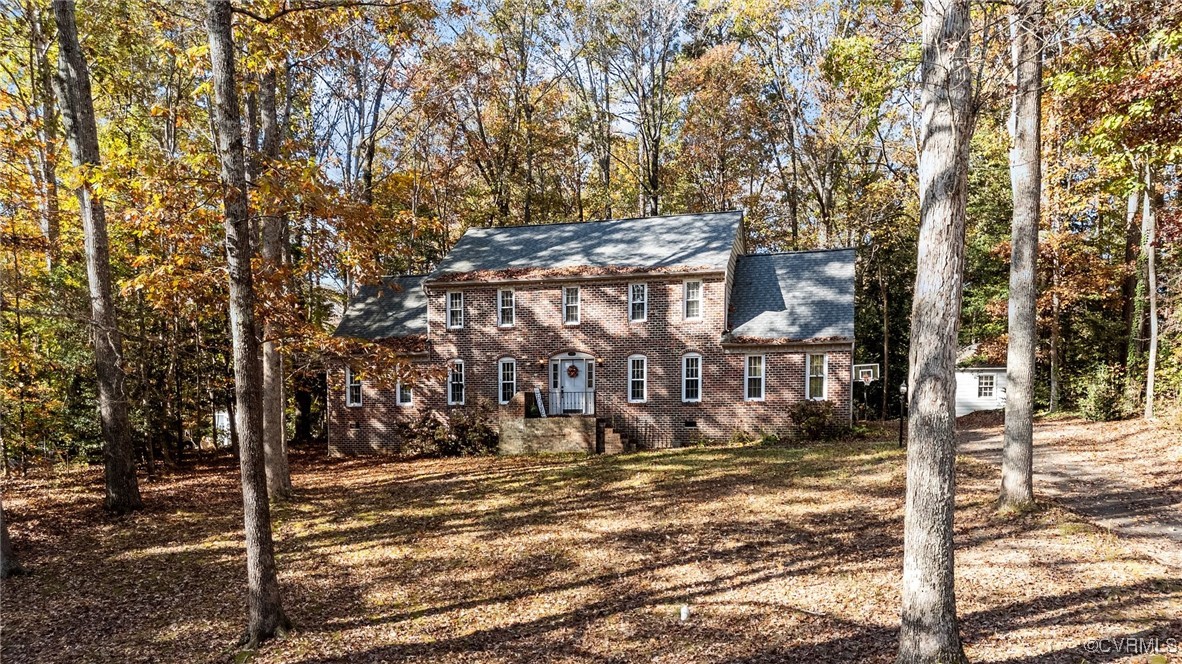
(572, 371)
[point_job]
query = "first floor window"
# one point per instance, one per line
(508, 380)
(405, 395)
(352, 387)
(590, 374)
(691, 378)
(638, 302)
(506, 310)
(985, 386)
(693, 299)
(754, 378)
(570, 305)
(455, 383)
(637, 378)
(455, 310)
(816, 376)
(554, 375)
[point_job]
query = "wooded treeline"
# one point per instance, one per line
(376, 134)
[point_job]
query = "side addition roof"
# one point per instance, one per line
(395, 308)
(796, 296)
(698, 241)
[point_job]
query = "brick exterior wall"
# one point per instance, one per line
(604, 332)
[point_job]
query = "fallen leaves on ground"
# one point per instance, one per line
(780, 555)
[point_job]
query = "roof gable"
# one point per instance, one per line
(796, 296)
(689, 241)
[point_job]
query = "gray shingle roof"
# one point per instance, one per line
(394, 308)
(688, 240)
(793, 296)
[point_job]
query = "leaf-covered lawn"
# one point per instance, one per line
(781, 554)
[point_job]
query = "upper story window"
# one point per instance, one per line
(753, 378)
(638, 303)
(352, 387)
(506, 308)
(637, 379)
(508, 379)
(985, 383)
(816, 384)
(405, 395)
(691, 378)
(455, 310)
(692, 300)
(570, 305)
(455, 383)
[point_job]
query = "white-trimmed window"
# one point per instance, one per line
(455, 310)
(985, 384)
(692, 300)
(554, 375)
(406, 396)
(571, 305)
(455, 383)
(753, 378)
(816, 385)
(637, 379)
(506, 308)
(590, 374)
(691, 378)
(638, 303)
(352, 387)
(507, 370)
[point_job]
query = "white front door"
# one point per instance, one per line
(573, 374)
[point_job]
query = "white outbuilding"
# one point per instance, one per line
(980, 388)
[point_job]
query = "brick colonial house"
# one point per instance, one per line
(656, 332)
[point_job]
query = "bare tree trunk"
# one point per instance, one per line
(1017, 458)
(9, 565)
(48, 135)
(886, 343)
(73, 81)
(1150, 252)
(1129, 284)
(929, 632)
(274, 427)
(265, 610)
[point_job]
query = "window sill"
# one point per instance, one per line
(755, 400)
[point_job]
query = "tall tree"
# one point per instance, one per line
(929, 631)
(1017, 484)
(274, 428)
(1149, 249)
(77, 105)
(265, 610)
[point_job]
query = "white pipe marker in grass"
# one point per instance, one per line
(684, 612)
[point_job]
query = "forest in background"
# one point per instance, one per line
(398, 125)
